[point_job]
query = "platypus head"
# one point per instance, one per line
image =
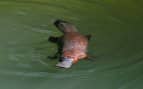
(65, 26)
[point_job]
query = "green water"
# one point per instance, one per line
(117, 42)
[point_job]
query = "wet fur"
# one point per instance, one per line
(59, 42)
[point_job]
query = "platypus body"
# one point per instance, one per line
(74, 45)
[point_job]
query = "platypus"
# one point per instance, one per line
(73, 45)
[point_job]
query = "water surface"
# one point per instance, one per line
(116, 46)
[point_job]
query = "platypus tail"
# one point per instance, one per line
(65, 26)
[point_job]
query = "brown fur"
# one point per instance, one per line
(74, 44)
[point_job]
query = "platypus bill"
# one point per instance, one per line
(73, 45)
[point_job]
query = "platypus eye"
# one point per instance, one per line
(65, 26)
(57, 22)
(62, 24)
